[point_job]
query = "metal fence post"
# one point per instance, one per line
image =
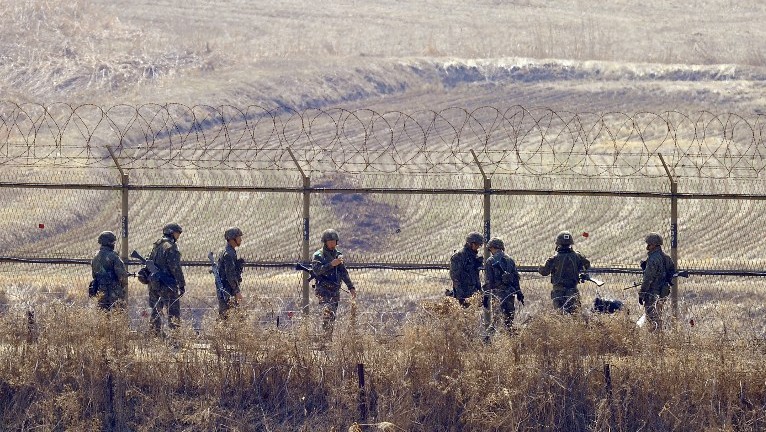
(305, 241)
(673, 234)
(487, 314)
(124, 254)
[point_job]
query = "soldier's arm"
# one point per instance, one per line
(320, 267)
(585, 262)
(120, 271)
(516, 277)
(651, 273)
(229, 273)
(546, 269)
(490, 275)
(173, 260)
(343, 272)
(454, 268)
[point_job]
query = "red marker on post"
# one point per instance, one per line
(41, 226)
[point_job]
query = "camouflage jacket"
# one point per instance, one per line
(655, 281)
(565, 267)
(109, 271)
(329, 278)
(167, 258)
(464, 271)
(496, 266)
(230, 270)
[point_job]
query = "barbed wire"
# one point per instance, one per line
(513, 140)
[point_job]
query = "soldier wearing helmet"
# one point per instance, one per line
(110, 277)
(565, 268)
(502, 280)
(655, 287)
(230, 270)
(464, 268)
(166, 289)
(328, 265)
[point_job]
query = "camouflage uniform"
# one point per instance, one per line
(110, 277)
(166, 289)
(329, 279)
(464, 271)
(565, 268)
(503, 289)
(230, 270)
(654, 287)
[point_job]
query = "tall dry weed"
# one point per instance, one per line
(87, 370)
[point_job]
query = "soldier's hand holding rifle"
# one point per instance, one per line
(337, 261)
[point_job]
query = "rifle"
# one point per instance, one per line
(154, 272)
(585, 277)
(683, 274)
(307, 269)
(220, 292)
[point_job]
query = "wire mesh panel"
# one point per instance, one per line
(52, 223)
(403, 190)
(608, 230)
(270, 222)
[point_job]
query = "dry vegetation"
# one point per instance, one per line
(76, 369)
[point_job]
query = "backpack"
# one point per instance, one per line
(670, 272)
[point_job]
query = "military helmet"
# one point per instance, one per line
(474, 237)
(564, 238)
(107, 238)
(653, 239)
(232, 233)
(496, 243)
(330, 234)
(171, 228)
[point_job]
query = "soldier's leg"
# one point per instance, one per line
(174, 310)
(223, 307)
(558, 296)
(509, 311)
(571, 300)
(155, 303)
(329, 310)
(653, 309)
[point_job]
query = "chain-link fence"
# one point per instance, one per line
(403, 190)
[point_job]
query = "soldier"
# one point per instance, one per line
(328, 265)
(658, 272)
(110, 278)
(230, 270)
(464, 268)
(167, 287)
(502, 280)
(565, 268)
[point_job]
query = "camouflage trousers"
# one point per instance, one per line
(504, 305)
(653, 305)
(161, 297)
(566, 299)
(224, 306)
(328, 302)
(112, 297)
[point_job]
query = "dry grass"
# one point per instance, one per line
(76, 369)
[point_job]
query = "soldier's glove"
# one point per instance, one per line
(181, 290)
(641, 299)
(520, 296)
(92, 289)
